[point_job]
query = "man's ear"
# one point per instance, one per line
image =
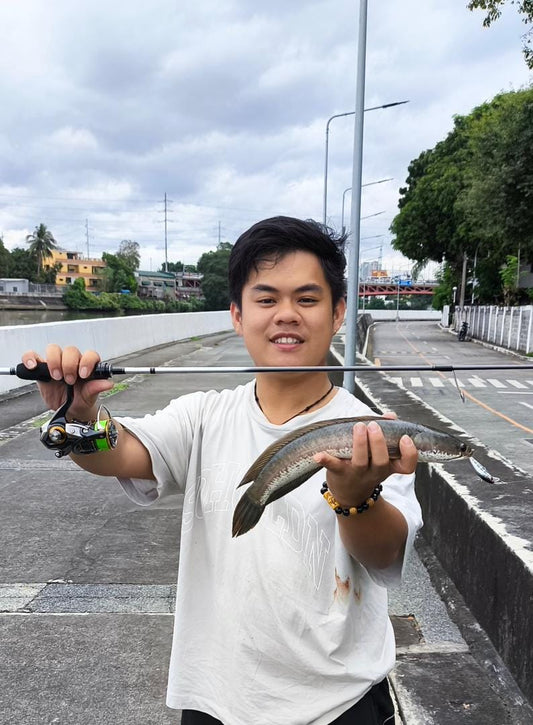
(339, 313)
(236, 318)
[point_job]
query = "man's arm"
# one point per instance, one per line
(377, 537)
(130, 458)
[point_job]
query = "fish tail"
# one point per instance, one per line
(247, 513)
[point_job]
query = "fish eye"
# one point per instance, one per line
(463, 447)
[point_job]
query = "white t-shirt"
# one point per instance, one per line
(279, 626)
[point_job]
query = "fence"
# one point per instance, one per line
(508, 327)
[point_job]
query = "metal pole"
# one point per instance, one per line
(353, 268)
(339, 115)
(342, 215)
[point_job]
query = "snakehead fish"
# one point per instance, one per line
(288, 462)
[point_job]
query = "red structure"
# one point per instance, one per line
(375, 289)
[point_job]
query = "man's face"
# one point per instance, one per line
(286, 316)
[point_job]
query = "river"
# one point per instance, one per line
(35, 317)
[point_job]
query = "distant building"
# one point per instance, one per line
(12, 285)
(156, 285)
(74, 266)
(189, 285)
(367, 268)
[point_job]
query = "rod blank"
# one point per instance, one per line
(106, 370)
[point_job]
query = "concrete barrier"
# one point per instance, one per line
(110, 336)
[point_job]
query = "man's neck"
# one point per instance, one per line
(282, 397)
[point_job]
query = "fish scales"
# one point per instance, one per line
(288, 462)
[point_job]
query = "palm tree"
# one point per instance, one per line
(42, 243)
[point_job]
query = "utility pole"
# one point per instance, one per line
(166, 246)
(463, 283)
(87, 237)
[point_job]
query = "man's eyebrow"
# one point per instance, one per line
(299, 290)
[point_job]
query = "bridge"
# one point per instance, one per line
(374, 289)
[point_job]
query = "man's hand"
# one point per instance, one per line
(70, 366)
(352, 481)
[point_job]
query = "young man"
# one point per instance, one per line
(287, 624)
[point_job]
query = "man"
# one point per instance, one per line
(287, 624)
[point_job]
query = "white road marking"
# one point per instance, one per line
(416, 382)
(496, 383)
(526, 404)
(477, 383)
(398, 381)
(516, 384)
(459, 382)
(436, 382)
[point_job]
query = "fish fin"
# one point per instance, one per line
(247, 513)
(258, 465)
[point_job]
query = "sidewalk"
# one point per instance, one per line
(87, 585)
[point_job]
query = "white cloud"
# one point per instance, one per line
(223, 106)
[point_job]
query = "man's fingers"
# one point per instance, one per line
(30, 359)
(331, 463)
(409, 456)
(87, 362)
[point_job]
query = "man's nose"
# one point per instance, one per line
(287, 311)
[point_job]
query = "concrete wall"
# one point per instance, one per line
(405, 315)
(111, 337)
(508, 327)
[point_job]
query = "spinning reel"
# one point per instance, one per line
(76, 437)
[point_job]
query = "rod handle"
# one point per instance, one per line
(102, 371)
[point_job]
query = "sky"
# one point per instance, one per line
(106, 107)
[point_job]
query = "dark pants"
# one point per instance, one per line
(375, 708)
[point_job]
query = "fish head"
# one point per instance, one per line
(438, 446)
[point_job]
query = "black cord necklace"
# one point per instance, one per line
(299, 412)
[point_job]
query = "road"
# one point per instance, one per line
(498, 404)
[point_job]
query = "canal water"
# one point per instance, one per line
(35, 317)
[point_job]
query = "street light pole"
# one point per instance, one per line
(370, 183)
(326, 155)
(350, 345)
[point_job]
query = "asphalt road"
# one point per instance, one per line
(87, 582)
(498, 404)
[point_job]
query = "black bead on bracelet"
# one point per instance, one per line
(352, 510)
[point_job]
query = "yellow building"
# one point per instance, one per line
(74, 266)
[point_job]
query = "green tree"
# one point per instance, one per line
(129, 253)
(172, 267)
(498, 197)
(493, 9)
(213, 266)
(22, 264)
(431, 223)
(4, 259)
(42, 243)
(510, 279)
(119, 274)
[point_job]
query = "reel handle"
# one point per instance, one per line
(102, 371)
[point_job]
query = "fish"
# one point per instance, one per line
(288, 462)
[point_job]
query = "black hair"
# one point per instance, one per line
(272, 239)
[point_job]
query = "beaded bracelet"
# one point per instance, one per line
(352, 510)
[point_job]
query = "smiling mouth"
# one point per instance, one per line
(286, 340)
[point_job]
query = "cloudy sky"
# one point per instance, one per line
(222, 106)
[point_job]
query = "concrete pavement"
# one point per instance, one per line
(87, 585)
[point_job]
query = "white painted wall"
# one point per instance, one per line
(405, 315)
(110, 336)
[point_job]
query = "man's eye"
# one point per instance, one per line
(266, 301)
(308, 300)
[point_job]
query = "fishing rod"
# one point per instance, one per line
(104, 370)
